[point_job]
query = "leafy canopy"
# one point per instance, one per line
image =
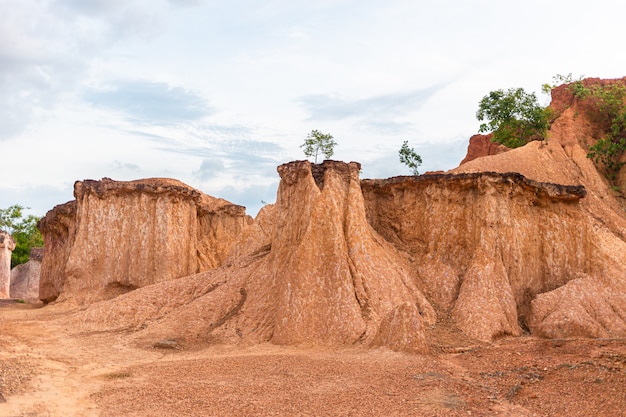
(514, 116)
(317, 143)
(24, 231)
(409, 158)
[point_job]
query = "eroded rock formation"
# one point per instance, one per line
(483, 245)
(313, 272)
(592, 301)
(7, 244)
(25, 277)
(117, 236)
(530, 239)
(481, 145)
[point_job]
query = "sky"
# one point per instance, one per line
(217, 94)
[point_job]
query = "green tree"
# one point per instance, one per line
(317, 143)
(410, 158)
(514, 116)
(24, 231)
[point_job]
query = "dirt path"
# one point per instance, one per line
(49, 370)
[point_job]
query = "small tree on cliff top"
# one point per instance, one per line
(410, 158)
(514, 116)
(317, 142)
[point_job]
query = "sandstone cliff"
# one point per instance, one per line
(481, 145)
(593, 301)
(313, 272)
(117, 236)
(531, 239)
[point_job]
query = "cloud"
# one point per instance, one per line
(152, 102)
(329, 107)
(252, 197)
(46, 49)
(209, 168)
(39, 198)
(126, 166)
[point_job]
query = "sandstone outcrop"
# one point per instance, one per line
(7, 244)
(481, 145)
(117, 236)
(314, 272)
(592, 303)
(58, 230)
(25, 277)
(527, 240)
(483, 245)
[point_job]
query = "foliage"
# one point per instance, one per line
(319, 143)
(609, 110)
(24, 231)
(514, 116)
(576, 86)
(409, 158)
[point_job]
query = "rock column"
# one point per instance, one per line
(7, 244)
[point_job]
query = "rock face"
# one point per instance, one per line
(313, 272)
(25, 277)
(58, 229)
(117, 236)
(481, 145)
(483, 245)
(7, 244)
(591, 302)
(531, 239)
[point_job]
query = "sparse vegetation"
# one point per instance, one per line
(317, 143)
(609, 110)
(410, 158)
(514, 116)
(24, 231)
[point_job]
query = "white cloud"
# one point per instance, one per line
(151, 102)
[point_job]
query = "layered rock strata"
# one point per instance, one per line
(117, 236)
(340, 261)
(313, 272)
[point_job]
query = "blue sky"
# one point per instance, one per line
(217, 94)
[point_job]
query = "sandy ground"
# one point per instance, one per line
(47, 369)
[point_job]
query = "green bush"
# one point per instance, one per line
(514, 116)
(24, 231)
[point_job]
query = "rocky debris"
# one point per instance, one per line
(25, 277)
(167, 344)
(14, 375)
(482, 145)
(7, 244)
(121, 235)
